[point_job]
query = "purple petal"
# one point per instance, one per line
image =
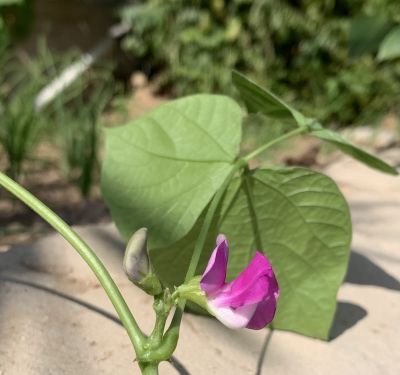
(265, 311)
(251, 286)
(214, 276)
(234, 318)
(247, 295)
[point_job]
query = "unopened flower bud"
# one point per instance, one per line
(137, 265)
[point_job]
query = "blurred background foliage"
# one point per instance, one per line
(299, 49)
(335, 60)
(15, 17)
(374, 34)
(70, 123)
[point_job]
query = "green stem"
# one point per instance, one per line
(88, 255)
(158, 330)
(162, 312)
(198, 248)
(177, 318)
(264, 147)
(149, 368)
(250, 201)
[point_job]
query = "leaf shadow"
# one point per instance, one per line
(347, 315)
(363, 271)
(41, 337)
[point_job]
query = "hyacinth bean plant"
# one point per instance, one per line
(178, 172)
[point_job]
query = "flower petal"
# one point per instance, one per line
(233, 318)
(251, 286)
(214, 276)
(247, 295)
(266, 309)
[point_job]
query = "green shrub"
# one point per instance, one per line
(296, 47)
(20, 125)
(71, 120)
(77, 119)
(74, 115)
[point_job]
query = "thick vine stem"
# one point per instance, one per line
(135, 334)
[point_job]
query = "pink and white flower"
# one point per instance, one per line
(247, 301)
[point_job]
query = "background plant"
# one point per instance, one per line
(20, 124)
(77, 116)
(298, 49)
(378, 34)
(71, 121)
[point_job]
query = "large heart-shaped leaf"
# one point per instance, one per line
(161, 170)
(301, 221)
(352, 150)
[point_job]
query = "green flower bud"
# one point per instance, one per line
(137, 264)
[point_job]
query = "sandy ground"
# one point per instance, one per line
(54, 318)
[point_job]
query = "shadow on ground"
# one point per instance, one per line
(347, 315)
(363, 271)
(180, 368)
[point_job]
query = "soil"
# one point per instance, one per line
(18, 224)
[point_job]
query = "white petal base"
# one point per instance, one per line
(233, 318)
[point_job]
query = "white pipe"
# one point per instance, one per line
(72, 72)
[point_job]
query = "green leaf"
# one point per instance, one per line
(261, 100)
(301, 221)
(258, 99)
(10, 2)
(352, 150)
(366, 34)
(161, 170)
(390, 47)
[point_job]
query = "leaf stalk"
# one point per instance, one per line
(266, 146)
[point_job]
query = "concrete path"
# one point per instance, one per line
(54, 318)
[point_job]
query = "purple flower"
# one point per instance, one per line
(247, 301)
